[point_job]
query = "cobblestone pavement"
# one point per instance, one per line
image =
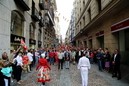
(71, 77)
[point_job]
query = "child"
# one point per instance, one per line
(2, 83)
(43, 70)
(6, 71)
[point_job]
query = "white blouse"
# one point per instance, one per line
(19, 60)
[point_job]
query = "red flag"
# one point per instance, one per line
(23, 44)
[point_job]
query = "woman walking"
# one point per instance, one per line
(19, 65)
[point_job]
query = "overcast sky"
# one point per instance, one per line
(64, 8)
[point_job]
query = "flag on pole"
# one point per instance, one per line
(23, 44)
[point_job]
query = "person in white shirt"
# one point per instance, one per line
(84, 65)
(19, 65)
(60, 59)
(73, 56)
(30, 56)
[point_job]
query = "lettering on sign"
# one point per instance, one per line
(17, 39)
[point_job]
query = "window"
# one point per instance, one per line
(17, 23)
(89, 14)
(78, 28)
(127, 39)
(32, 31)
(83, 3)
(39, 35)
(84, 21)
(99, 5)
(80, 25)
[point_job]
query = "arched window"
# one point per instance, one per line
(39, 35)
(17, 23)
(32, 31)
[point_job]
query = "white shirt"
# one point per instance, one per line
(60, 55)
(19, 60)
(73, 54)
(115, 57)
(30, 56)
(84, 62)
(79, 53)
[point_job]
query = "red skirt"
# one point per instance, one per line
(43, 74)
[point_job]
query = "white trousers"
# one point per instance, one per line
(84, 75)
(6, 82)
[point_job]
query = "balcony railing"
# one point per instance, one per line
(51, 17)
(46, 21)
(35, 14)
(41, 22)
(24, 4)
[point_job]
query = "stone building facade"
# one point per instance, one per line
(27, 20)
(103, 23)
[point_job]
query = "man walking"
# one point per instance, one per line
(67, 59)
(84, 65)
(60, 59)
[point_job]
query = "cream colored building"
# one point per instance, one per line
(103, 23)
(68, 36)
(57, 29)
(49, 29)
(27, 20)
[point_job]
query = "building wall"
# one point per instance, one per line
(101, 21)
(6, 7)
(5, 19)
(91, 5)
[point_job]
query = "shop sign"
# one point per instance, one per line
(39, 43)
(120, 25)
(90, 37)
(32, 41)
(100, 33)
(16, 39)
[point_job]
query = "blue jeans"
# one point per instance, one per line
(100, 65)
(66, 64)
(51, 60)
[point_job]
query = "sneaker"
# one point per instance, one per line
(19, 83)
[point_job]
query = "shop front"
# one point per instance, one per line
(39, 44)
(16, 29)
(32, 43)
(16, 41)
(90, 44)
(121, 31)
(100, 39)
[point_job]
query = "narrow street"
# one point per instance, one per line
(71, 77)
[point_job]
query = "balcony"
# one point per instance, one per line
(24, 4)
(48, 18)
(46, 21)
(35, 14)
(51, 18)
(41, 22)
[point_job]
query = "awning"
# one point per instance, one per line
(90, 37)
(100, 33)
(124, 24)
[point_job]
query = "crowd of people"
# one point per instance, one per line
(12, 66)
